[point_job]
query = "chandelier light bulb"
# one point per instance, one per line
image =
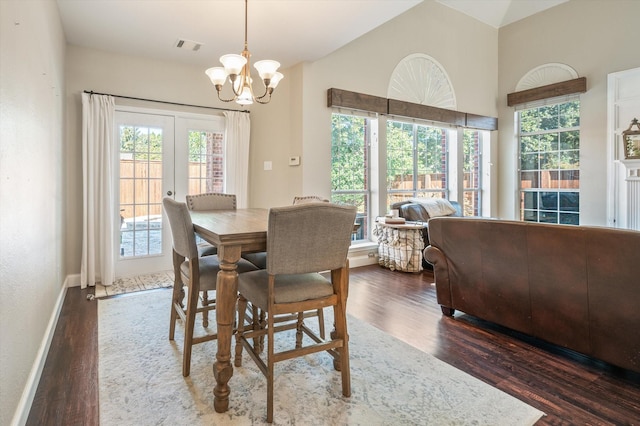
(232, 63)
(245, 97)
(217, 75)
(275, 80)
(267, 68)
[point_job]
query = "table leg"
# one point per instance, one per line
(226, 295)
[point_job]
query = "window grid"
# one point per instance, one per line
(549, 146)
(350, 156)
(140, 191)
(472, 166)
(416, 161)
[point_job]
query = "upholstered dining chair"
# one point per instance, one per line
(260, 259)
(304, 240)
(198, 274)
(210, 201)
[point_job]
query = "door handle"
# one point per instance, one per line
(169, 193)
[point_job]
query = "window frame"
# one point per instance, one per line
(539, 190)
(415, 192)
(366, 218)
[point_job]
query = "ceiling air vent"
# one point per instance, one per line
(183, 43)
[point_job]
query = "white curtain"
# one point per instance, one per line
(98, 168)
(237, 130)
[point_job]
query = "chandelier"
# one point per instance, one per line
(236, 69)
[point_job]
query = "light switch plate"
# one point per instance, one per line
(294, 161)
(268, 165)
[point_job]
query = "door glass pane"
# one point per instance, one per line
(206, 165)
(140, 190)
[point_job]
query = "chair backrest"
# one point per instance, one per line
(184, 238)
(308, 199)
(211, 201)
(309, 237)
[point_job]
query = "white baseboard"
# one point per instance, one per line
(366, 254)
(24, 405)
(72, 280)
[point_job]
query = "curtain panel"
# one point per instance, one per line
(237, 132)
(98, 194)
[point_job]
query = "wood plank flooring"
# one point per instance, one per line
(572, 389)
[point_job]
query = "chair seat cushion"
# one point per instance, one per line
(259, 259)
(209, 268)
(206, 249)
(288, 288)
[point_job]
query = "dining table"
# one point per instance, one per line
(233, 232)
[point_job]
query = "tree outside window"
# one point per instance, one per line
(416, 161)
(350, 167)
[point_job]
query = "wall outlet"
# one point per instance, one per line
(268, 165)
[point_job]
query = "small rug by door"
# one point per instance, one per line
(134, 284)
(140, 380)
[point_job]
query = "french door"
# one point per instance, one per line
(161, 154)
(146, 171)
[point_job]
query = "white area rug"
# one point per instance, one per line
(140, 380)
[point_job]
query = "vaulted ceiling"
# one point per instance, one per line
(290, 31)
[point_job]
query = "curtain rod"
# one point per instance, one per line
(91, 92)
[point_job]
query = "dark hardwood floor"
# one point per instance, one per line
(570, 388)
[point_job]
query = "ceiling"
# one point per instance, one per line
(290, 31)
(499, 13)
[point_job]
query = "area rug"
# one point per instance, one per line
(140, 380)
(134, 284)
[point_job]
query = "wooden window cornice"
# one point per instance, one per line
(359, 101)
(569, 87)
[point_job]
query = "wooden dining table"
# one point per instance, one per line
(232, 232)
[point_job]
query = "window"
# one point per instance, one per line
(549, 149)
(416, 161)
(350, 166)
(472, 169)
(411, 160)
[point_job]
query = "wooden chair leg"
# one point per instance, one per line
(262, 323)
(299, 330)
(205, 314)
(242, 308)
(177, 285)
(255, 325)
(177, 295)
(192, 305)
(321, 322)
(270, 368)
(341, 333)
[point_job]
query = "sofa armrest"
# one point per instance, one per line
(437, 258)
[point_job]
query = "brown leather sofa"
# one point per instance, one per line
(574, 286)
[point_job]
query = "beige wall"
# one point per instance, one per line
(595, 37)
(466, 48)
(32, 194)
